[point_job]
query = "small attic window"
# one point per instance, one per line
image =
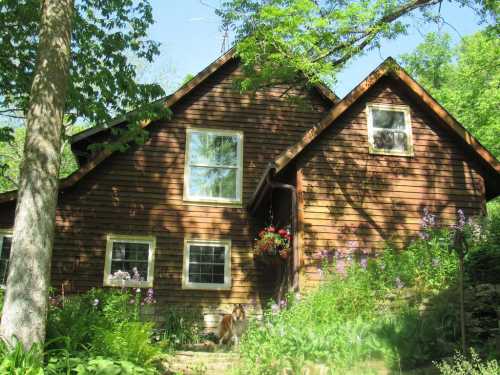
(389, 129)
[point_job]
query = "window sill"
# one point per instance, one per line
(128, 284)
(209, 287)
(373, 151)
(215, 203)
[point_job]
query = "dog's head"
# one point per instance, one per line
(238, 312)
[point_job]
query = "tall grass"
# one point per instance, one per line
(371, 313)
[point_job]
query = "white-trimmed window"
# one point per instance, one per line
(207, 264)
(389, 129)
(5, 246)
(129, 261)
(214, 166)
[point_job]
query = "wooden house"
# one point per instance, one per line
(185, 207)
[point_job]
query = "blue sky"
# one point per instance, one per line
(189, 33)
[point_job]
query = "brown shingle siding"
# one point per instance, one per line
(352, 195)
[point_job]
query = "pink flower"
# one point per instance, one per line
(283, 232)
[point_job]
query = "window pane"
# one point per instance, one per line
(129, 255)
(212, 183)
(213, 150)
(219, 279)
(194, 277)
(219, 252)
(6, 244)
(383, 119)
(131, 251)
(390, 140)
(206, 264)
(4, 259)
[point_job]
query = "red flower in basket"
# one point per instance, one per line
(273, 242)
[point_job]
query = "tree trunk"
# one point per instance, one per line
(24, 313)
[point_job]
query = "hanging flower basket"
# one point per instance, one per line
(272, 246)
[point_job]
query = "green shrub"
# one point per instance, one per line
(482, 264)
(94, 366)
(72, 326)
(182, 327)
(365, 315)
(460, 365)
(427, 264)
(102, 323)
(17, 361)
(130, 341)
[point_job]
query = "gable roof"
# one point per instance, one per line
(187, 88)
(169, 102)
(388, 68)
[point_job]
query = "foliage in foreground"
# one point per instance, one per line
(460, 365)
(99, 332)
(400, 308)
(289, 38)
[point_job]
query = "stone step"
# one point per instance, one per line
(201, 363)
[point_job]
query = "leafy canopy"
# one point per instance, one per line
(106, 36)
(277, 39)
(11, 155)
(464, 78)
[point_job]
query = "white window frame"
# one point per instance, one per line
(110, 239)
(389, 107)
(4, 233)
(186, 284)
(238, 167)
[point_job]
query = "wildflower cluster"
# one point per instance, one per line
(469, 226)
(428, 224)
(124, 276)
(273, 242)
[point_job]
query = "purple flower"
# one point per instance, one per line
(341, 266)
(399, 283)
(461, 221)
(324, 256)
(424, 235)
(275, 308)
(363, 261)
(150, 297)
(352, 247)
(428, 222)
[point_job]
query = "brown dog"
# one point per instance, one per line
(232, 325)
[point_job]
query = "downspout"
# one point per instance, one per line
(295, 244)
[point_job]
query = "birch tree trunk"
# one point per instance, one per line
(24, 313)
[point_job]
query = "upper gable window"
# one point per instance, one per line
(389, 129)
(214, 166)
